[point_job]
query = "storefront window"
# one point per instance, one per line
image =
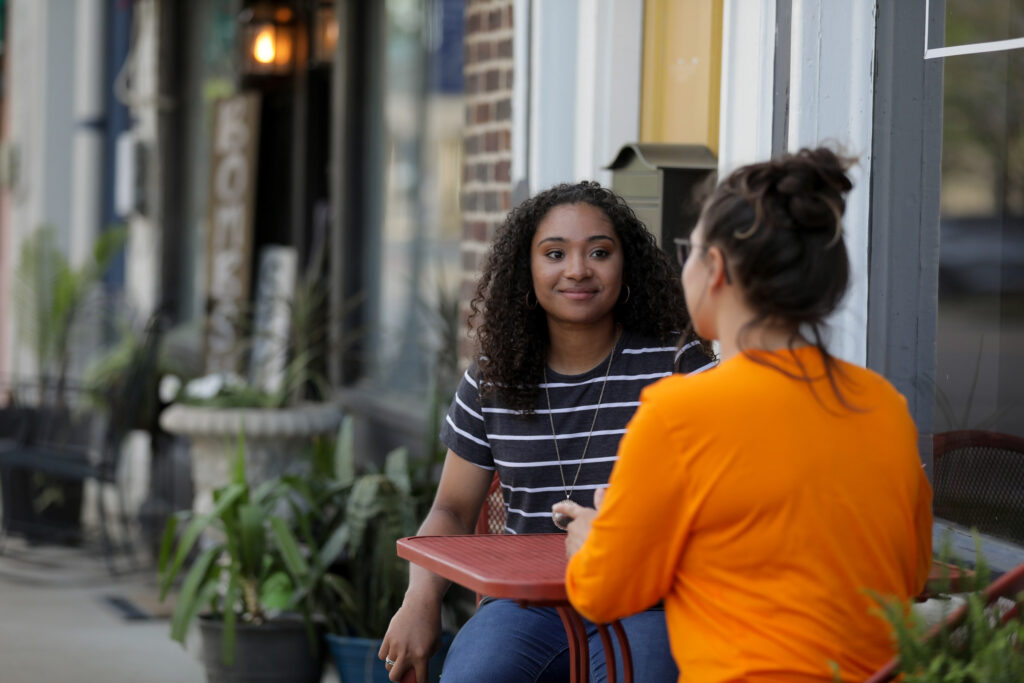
(416, 164)
(970, 21)
(979, 379)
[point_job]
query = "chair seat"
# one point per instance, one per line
(71, 464)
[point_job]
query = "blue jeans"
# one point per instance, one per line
(505, 643)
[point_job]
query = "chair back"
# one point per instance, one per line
(492, 514)
(979, 481)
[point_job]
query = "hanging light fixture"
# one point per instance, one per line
(325, 32)
(267, 33)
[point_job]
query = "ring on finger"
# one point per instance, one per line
(388, 661)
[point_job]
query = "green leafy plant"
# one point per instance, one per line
(362, 515)
(311, 337)
(984, 648)
(247, 558)
(51, 294)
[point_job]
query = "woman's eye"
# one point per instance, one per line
(554, 254)
(599, 253)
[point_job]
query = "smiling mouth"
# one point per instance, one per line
(579, 294)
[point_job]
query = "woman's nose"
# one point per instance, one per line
(577, 267)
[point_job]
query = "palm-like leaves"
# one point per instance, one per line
(50, 293)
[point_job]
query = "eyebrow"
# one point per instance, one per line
(592, 238)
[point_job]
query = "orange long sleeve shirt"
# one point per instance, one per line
(764, 513)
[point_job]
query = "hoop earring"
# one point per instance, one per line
(627, 295)
(529, 305)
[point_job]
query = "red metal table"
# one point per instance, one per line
(527, 568)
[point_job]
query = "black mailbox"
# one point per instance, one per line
(664, 185)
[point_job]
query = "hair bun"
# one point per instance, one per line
(811, 186)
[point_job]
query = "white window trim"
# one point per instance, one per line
(609, 60)
(831, 99)
(747, 99)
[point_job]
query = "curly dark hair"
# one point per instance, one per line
(512, 337)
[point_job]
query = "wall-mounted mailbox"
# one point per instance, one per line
(664, 185)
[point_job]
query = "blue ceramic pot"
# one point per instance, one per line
(356, 659)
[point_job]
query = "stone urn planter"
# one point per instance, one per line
(277, 441)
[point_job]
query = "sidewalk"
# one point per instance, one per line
(57, 625)
(64, 618)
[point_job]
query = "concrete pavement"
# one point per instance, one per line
(57, 622)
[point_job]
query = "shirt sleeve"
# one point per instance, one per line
(691, 358)
(636, 541)
(464, 430)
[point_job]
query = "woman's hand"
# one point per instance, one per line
(411, 639)
(579, 528)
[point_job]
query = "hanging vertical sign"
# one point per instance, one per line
(229, 248)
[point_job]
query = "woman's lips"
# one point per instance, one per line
(579, 294)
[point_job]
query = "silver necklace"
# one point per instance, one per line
(561, 520)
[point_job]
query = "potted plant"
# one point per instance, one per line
(987, 646)
(279, 423)
(51, 296)
(366, 584)
(246, 584)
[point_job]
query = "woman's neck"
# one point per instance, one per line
(736, 334)
(575, 349)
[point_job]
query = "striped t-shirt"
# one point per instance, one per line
(521, 447)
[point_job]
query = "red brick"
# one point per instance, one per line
(503, 110)
(476, 230)
(491, 201)
(491, 141)
(502, 171)
(492, 80)
(482, 114)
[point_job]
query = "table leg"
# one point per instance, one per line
(609, 652)
(627, 654)
(579, 649)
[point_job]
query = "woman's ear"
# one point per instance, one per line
(716, 269)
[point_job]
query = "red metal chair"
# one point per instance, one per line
(492, 514)
(979, 481)
(1009, 585)
(492, 521)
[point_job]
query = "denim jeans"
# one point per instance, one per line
(505, 643)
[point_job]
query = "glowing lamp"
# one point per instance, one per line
(267, 35)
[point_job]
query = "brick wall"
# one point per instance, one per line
(486, 185)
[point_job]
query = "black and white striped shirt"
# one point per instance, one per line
(521, 447)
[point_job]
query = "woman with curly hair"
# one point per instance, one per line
(577, 310)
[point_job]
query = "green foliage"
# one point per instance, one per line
(982, 649)
(379, 508)
(51, 293)
(244, 566)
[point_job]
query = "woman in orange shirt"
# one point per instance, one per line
(767, 500)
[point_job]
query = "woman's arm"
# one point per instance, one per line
(414, 629)
(635, 542)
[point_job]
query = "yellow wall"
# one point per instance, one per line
(682, 71)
